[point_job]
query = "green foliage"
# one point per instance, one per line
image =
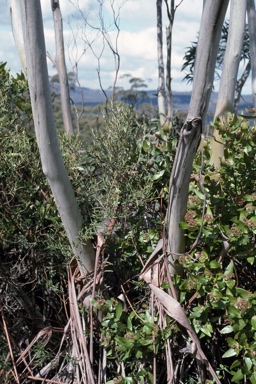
(125, 167)
(190, 55)
(130, 338)
(218, 287)
(89, 117)
(33, 244)
(125, 184)
(34, 250)
(221, 270)
(122, 179)
(41, 354)
(15, 109)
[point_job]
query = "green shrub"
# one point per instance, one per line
(34, 250)
(218, 288)
(122, 179)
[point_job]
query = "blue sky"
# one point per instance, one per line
(136, 42)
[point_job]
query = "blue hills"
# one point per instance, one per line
(181, 100)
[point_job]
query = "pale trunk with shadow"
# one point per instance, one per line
(61, 68)
(51, 157)
(209, 36)
(161, 86)
(251, 14)
(225, 102)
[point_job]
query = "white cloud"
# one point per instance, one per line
(140, 44)
(136, 43)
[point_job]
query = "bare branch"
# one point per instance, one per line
(102, 30)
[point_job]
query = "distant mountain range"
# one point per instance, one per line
(181, 100)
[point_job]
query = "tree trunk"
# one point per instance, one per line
(240, 83)
(170, 14)
(209, 36)
(225, 102)
(17, 30)
(251, 14)
(206, 54)
(51, 158)
(161, 87)
(61, 68)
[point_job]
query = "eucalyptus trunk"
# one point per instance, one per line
(225, 102)
(209, 36)
(240, 83)
(251, 14)
(169, 28)
(17, 30)
(61, 68)
(51, 157)
(161, 86)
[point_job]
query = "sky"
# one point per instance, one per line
(136, 41)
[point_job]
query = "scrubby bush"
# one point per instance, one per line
(121, 183)
(34, 251)
(218, 286)
(218, 289)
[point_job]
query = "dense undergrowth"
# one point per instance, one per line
(121, 183)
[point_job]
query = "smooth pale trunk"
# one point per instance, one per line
(251, 14)
(206, 54)
(209, 36)
(161, 87)
(240, 83)
(225, 102)
(62, 70)
(169, 29)
(51, 158)
(17, 26)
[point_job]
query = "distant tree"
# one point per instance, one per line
(161, 92)
(15, 7)
(71, 79)
(135, 92)
(164, 80)
(171, 10)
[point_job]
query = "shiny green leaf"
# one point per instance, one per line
(119, 310)
(158, 175)
(227, 329)
(229, 353)
(237, 376)
(253, 322)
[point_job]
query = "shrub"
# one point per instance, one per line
(218, 289)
